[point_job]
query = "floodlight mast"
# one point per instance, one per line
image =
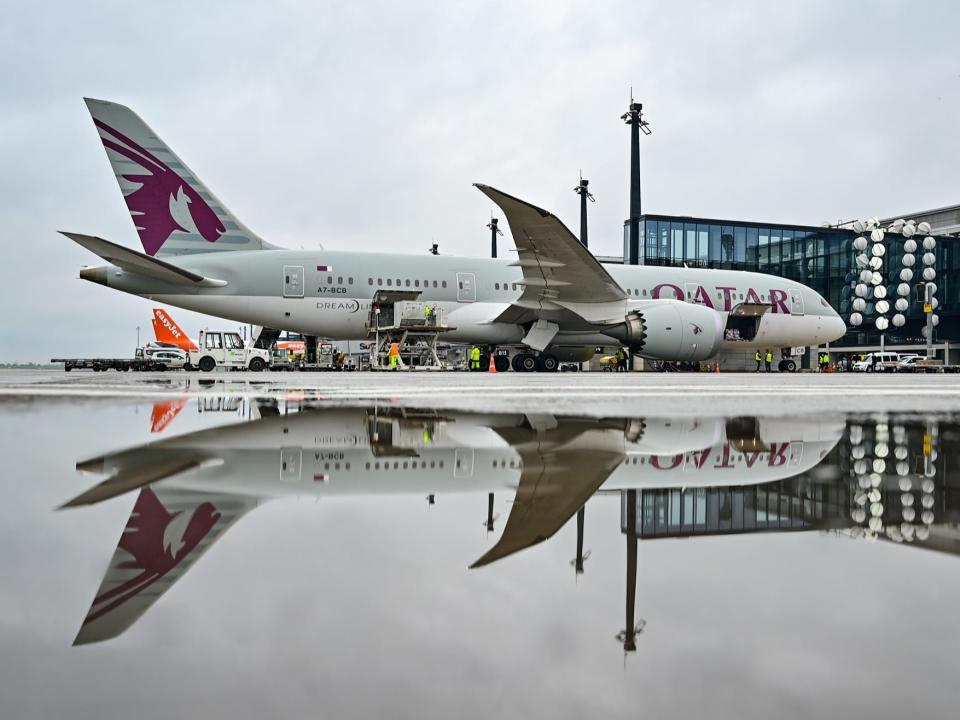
(494, 231)
(584, 194)
(634, 118)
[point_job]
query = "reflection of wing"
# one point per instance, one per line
(168, 531)
(559, 475)
(555, 265)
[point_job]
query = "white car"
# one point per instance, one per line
(168, 359)
(877, 362)
(908, 361)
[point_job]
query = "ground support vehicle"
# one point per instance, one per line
(227, 349)
(158, 360)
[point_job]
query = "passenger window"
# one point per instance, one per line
(340, 280)
(398, 282)
(416, 283)
(460, 284)
(369, 281)
(444, 283)
(434, 283)
(408, 283)
(350, 281)
(329, 279)
(496, 286)
(379, 281)
(389, 282)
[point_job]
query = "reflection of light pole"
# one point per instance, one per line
(578, 561)
(628, 636)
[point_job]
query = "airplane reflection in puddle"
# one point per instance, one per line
(676, 477)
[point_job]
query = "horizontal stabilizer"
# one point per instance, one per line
(135, 262)
(132, 478)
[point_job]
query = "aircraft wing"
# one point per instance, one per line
(559, 475)
(556, 267)
(168, 530)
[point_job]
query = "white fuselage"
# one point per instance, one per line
(332, 293)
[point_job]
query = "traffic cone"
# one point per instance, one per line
(492, 366)
(716, 366)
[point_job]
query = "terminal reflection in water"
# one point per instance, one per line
(875, 478)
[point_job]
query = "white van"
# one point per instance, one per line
(878, 362)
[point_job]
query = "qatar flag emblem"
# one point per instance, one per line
(324, 268)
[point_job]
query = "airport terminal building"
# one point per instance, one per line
(821, 257)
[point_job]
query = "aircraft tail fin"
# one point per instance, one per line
(166, 330)
(173, 211)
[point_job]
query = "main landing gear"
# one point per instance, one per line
(528, 362)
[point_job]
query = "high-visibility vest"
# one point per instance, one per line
(427, 310)
(756, 356)
(769, 357)
(394, 349)
(475, 354)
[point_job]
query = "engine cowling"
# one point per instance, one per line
(671, 330)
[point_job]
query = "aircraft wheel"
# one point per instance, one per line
(207, 364)
(257, 364)
(524, 362)
(501, 363)
(790, 366)
(547, 363)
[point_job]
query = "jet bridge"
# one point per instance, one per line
(400, 317)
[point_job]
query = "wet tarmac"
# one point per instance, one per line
(451, 545)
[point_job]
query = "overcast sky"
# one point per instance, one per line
(363, 125)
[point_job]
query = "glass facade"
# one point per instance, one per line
(822, 258)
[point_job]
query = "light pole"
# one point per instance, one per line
(138, 336)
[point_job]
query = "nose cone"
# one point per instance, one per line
(94, 274)
(834, 327)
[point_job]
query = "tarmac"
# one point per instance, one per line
(594, 394)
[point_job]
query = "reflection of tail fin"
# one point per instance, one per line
(173, 211)
(163, 414)
(167, 532)
(167, 331)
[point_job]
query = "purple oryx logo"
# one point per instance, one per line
(164, 202)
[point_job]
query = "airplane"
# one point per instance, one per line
(168, 333)
(191, 488)
(555, 302)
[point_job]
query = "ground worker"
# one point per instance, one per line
(826, 361)
(756, 356)
(394, 355)
(475, 358)
(427, 313)
(767, 359)
(622, 360)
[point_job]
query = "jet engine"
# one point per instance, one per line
(671, 330)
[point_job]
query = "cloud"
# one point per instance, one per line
(363, 125)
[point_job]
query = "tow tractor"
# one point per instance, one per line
(227, 349)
